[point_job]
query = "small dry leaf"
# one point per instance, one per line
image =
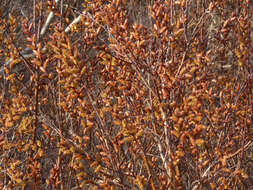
(199, 142)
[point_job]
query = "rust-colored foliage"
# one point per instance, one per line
(117, 94)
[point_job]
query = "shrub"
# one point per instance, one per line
(126, 94)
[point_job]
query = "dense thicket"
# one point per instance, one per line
(118, 94)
